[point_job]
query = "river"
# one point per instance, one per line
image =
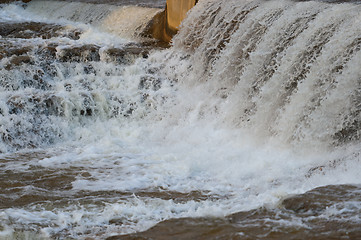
(247, 126)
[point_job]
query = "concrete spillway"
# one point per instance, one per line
(166, 24)
(176, 11)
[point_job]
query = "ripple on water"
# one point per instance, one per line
(330, 212)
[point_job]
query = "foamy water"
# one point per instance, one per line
(256, 101)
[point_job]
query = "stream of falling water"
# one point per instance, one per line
(247, 127)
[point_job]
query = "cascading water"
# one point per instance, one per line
(281, 66)
(103, 133)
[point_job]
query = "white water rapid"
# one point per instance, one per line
(253, 102)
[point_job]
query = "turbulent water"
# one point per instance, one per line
(247, 127)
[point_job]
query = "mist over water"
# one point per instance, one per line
(102, 132)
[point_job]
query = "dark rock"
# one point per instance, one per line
(9, 1)
(126, 55)
(9, 50)
(18, 60)
(27, 30)
(80, 54)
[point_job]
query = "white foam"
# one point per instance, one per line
(184, 137)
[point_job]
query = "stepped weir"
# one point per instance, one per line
(247, 126)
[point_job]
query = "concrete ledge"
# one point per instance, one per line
(165, 25)
(176, 11)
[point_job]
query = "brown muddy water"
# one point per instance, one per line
(304, 216)
(247, 126)
(329, 212)
(47, 189)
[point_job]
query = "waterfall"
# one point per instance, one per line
(104, 131)
(284, 69)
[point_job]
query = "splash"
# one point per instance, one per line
(255, 101)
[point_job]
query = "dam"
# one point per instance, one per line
(246, 125)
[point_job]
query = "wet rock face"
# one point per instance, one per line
(9, 1)
(305, 214)
(84, 53)
(28, 30)
(90, 52)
